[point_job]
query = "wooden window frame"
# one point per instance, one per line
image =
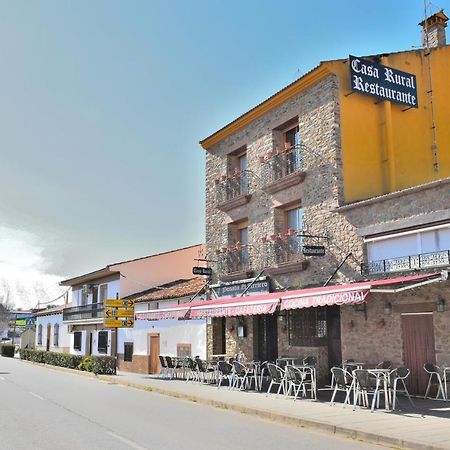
(180, 346)
(308, 324)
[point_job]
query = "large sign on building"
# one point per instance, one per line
(383, 82)
(236, 288)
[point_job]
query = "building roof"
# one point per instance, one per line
(108, 270)
(305, 81)
(174, 289)
(53, 310)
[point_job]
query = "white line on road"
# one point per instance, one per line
(126, 441)
(37, 396)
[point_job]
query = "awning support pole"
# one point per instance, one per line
(251, 284)
(337, 269)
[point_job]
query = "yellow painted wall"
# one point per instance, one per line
(369, 168)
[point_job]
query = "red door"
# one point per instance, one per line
(418, 349)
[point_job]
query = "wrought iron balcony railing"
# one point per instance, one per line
(405, 263)
(234, 260)
(281, 165)
(85, 312)
(232, 187)
(281, 250)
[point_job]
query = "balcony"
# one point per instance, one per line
(282, 170)
(232, 192)
(234, 263)
(407, 263)
(91, 313)
(283, 253)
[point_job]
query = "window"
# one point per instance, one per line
(94, 294)
(56, 335)
(294, 218)
(183, 350)
(77, 340)
(103, 292)
(39, 336)
(128, 351)
(83, 295)
(307, 327)
(102, 345)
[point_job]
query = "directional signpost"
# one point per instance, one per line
(119, 313)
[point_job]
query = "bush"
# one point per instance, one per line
(7, 350)
(104, 365)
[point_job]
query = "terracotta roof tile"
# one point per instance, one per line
(174, 289)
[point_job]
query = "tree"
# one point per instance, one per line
(5, 307)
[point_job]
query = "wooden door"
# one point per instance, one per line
(418, 349)
(49, 332)
(267, 345)
(334, 336)
(154, 353)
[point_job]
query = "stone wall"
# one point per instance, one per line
(317, 110)
(380, 336)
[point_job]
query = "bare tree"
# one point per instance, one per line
(5, 307)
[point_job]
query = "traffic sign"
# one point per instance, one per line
(119, 323)
(117, 312)
(202, 271)
(119, 303)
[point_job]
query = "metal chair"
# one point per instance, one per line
(171, 365)
(191, 372)
(294, 379)
(344, 381)
(225, 371)
(397, 376)
(364, 387)
(276, 374)
(436, 372)
(164, 368)
(239, 375)
(310, 360)
(384, 365)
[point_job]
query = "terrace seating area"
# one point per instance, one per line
(354, 383)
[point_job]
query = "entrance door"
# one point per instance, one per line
(334, 336)
(154, 353)
(418, 349)
(88, 343)
(267, 345)
(49, 332)
(218, 324)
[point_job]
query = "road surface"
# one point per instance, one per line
(41, 408)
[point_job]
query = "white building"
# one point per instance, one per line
(139, 348)
(89, 291)
(51, 333)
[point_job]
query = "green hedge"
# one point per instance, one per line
(104, 365)
(7, 350)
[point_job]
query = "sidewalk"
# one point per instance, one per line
(426, 428)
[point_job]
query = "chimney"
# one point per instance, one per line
(433, 30)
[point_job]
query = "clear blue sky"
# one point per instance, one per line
(103, 104)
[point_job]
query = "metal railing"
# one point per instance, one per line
(234, 186)
(234, 260)
(84, 312)
(405, 263)
(281, 165)
(280, 250)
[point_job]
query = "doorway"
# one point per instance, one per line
(154, 366)
(218, 331)
(49, 332)
(267, 333)
(334, 336)
(418, 348)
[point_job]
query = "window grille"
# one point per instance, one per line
(307, 327)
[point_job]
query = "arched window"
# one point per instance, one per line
(56, 335)
(39, 336)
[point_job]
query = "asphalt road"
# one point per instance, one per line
(41, 408)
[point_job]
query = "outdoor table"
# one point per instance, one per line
(382, 376)
(358, 365)
(287, 360)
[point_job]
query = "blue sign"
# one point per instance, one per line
(383, 82)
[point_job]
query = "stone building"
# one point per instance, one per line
(326, 166)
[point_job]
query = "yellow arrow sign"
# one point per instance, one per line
(119, 323)
(116, 312)
(119, 303)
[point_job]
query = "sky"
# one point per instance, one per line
(103, 104)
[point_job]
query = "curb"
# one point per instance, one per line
(311, 424)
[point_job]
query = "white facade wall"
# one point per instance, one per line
(64, 335)
(113, 290)
(84, 343)
(171, 331)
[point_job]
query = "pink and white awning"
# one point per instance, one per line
(159, 314)
(240, 306)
